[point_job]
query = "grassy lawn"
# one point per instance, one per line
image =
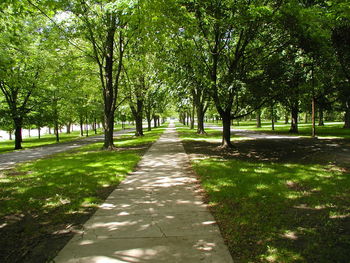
(7, 146)
(41, 202)
(330, 130)
(276, 211)
(191, 135)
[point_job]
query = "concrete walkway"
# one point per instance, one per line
(8, 160)
(153, 216)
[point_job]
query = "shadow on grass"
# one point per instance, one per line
(43, 203)
(278, 200)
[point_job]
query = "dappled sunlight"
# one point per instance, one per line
(264, 197)
(155, 215)
(8, 160)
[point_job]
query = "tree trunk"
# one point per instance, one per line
(95, 126)
(294, 122)
(313, 118)
(320, 116)
(139, 129)
(49, 130)
(155, 121)
(29, 132)
(149, 123)
(347, 117)
(138, 116)
(226, 130)
(258, 118)
(18, 133)
(306, 117)
(68, 127)
(39, 131)
(272, 118)
(200, 120)
(158, 121)
(192, 117)
(81, 128)
(108, 135)
(10, 135)
(57, 132)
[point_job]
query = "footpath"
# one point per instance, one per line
(8, 160)
(153, 216)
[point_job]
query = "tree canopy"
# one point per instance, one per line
(64, 62)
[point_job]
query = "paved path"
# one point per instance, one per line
(8, 160)
(153, 216)
(254, 134)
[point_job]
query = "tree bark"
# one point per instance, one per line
(108, 135)
(10, 135)
(155, 121)
(81, 128)
(347, 117)
(313, 118)
(39, 131)
(18, 133)
(226, 130)
(138, 116)
(258, 118)
(149, 123)
(200, 120)
(294, 119)
(57, 132)
(68, 127)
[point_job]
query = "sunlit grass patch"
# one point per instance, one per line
(41, 201)
(271, 212)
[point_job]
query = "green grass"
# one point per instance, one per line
(279, 212)
(44, 201)
(8, 146)
(330, 130)
(276, 212)
(70, 181)
(211, 135)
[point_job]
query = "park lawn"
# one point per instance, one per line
(47, 139)
(43, 201)
(330, 130)
(276, 211)
(211, 135)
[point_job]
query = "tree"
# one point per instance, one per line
(107, 27)
(21, 62)
(228, 35)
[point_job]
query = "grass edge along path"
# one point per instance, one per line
(44, 202)
(277, 212)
